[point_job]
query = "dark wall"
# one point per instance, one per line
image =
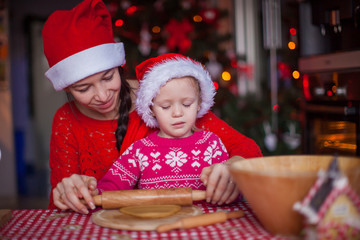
(19, 13)
(328, 26)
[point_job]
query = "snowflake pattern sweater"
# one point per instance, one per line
(165, 163)
(82, 145)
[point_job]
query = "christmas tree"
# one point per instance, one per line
(149, 28)
(152, 27)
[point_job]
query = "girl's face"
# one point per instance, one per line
(176, 106)
(97, 96)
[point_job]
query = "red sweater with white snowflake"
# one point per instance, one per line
(158, 162)
(83, 145)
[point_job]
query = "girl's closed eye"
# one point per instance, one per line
(165, 107)
(187, 104)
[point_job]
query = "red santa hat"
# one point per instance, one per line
(79, 43)
(155, 72)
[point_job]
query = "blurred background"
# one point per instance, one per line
(287, 74)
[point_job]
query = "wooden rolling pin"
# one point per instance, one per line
(200, 220)
(123, 198)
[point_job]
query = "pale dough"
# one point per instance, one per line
(151, 211)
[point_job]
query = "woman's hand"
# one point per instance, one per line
(70, 190)
(220, 187)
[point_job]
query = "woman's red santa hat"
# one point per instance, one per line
(155, 72)
(79, 43)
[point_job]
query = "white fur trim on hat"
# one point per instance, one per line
(86, 63)
(162, 72)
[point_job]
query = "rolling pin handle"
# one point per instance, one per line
(198, 195)
(200, 220)
(235, 214)
(97, 200)
(170, 226)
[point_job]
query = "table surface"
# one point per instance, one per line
(58, 224)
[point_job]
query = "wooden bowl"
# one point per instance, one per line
(273, 184)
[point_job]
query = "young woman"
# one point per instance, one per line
(90, 131)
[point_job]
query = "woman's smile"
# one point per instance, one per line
(107, 104)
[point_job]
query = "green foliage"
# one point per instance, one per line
(204, 38)
(248, 115)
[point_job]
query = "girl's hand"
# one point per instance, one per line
(70, 190)
(220, 187)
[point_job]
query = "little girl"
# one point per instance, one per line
(174, 91)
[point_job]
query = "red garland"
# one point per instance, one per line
(210, 15)
(284, 71)
(179, 35)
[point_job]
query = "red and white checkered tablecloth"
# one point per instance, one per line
(57, 224)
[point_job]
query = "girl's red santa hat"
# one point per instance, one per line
(79, 43)
(156, 72)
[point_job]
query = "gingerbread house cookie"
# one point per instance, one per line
(331, 208)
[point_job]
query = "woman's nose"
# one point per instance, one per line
(101, 94)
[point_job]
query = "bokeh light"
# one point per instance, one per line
(226, 76)
(296, 74)
(156, 29)
(197, 18)
(293, 31)
(119, 23)
(291, 45)
(216, 85)
(276, 108)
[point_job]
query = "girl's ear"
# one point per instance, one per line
(67, 89)
(152, 111)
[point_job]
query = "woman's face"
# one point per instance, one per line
(97, 96)
(176, 106)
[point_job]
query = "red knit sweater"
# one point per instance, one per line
(83, 145)
(155, 162)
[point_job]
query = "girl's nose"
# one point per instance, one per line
(177, 111)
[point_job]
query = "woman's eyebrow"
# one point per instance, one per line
(105, 73)
(79, 85)
(84, 84)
